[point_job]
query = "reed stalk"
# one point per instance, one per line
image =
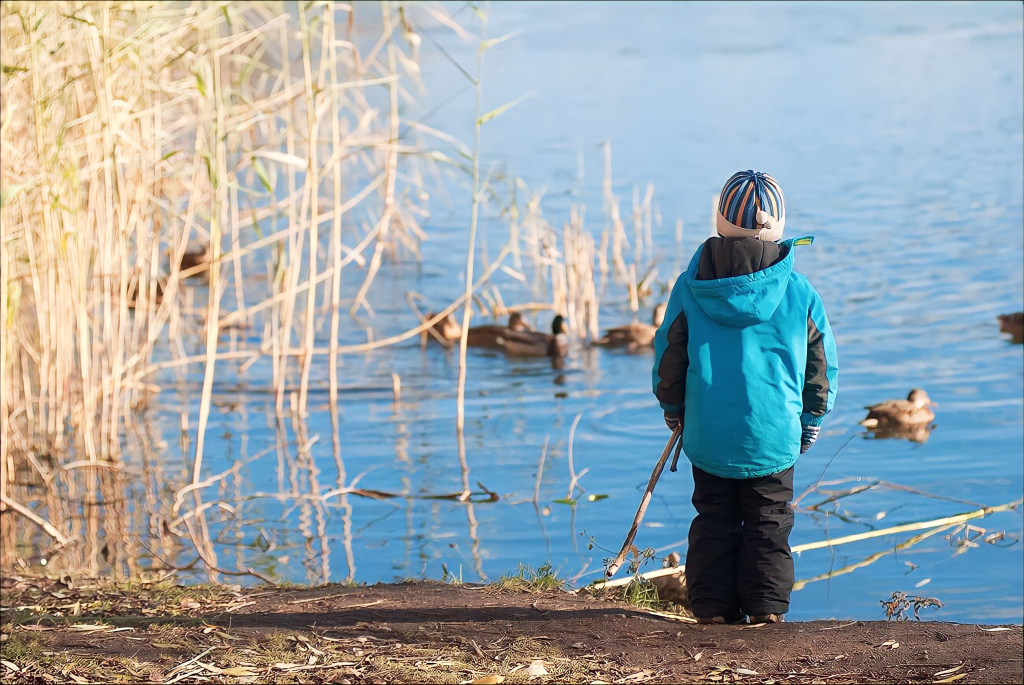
(921, 525)
(460, 401)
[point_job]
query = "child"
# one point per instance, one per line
(745, 363)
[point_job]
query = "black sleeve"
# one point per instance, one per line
(815, 394)
(674, 363)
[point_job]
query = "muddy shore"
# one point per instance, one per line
(443, 633)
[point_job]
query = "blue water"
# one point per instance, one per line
(897, 133)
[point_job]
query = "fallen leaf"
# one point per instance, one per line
(166, 645)
(537, 669)
(698, 656)
(987, 630)
(11, 666)
(489, 680)
(89, 627)
(238, 671)
(891, 644)
(577, 645)
(952, 678)
(949, 671)
(744, 671)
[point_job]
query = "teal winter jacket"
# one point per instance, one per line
(745, 361)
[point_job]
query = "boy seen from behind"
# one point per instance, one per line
(746, 364)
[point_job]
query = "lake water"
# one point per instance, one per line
(896, 133)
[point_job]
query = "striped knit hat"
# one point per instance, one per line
(751, 206)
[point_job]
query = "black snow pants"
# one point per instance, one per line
(738, 560)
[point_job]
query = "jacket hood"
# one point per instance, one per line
(745, 300)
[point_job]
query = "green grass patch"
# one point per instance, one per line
(526, 579)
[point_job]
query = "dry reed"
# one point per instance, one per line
(137, 133)
(174, 173)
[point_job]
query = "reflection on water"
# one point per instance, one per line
(913, 433)
(900, 150)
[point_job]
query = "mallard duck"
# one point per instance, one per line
(911, 411)
(195, 259)
(488, 335)
(1014, 325)
(634, 335)
(446, 331)
(133, 293)
(535, 343)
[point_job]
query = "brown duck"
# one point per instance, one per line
(489, 335)
(1014, 325)
(636, 335)
(535, 343)
(133, 294)
(446, 331)
(196, 259)
(911, 411)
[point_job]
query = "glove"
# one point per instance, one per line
(672, 420)
(807, 437)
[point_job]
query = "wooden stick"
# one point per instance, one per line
(619, 582)
(655, 475)
(675, 457)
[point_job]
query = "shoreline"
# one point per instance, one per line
(511, 631)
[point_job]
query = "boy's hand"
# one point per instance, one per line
(672, 420)
(807, 437)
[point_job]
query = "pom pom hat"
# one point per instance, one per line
(751, 205)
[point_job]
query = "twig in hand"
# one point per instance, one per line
(655, 475)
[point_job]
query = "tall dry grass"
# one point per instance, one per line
(135, 134)
(257, 150)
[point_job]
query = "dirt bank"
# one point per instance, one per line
(431, 632)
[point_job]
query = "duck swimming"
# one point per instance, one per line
(190, 260)
(911, 411)
(488, 335)
(635, 335)
(535, 343)
(446, 331)
(1014, 325)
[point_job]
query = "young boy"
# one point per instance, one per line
(745, 363)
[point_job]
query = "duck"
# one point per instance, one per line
(535, 343)
(446, 331)
(195, 260)
(133, 294)
(488, 335)
(1014, 325)
(909, 412)
(635, 335)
